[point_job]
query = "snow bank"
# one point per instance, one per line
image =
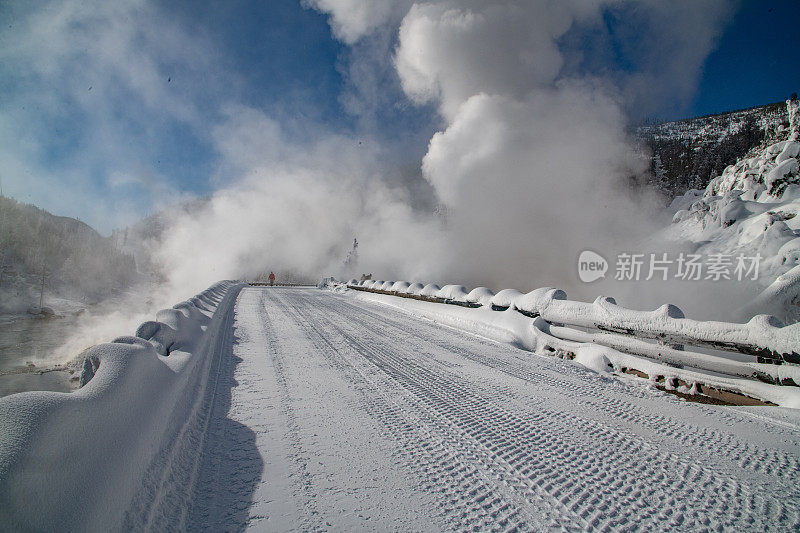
(415, 288)
(430, 290)
(457, 293)
(540, 337)
(399, 286)
(506, 298)
(538, 299)
(621, 333)
(480, 295)
(594, 358)
(80, 460)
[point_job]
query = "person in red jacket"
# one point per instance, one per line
(271, 278)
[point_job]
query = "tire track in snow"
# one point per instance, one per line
(466, 500)
(775, 465)
(643, 493)
(275, 346)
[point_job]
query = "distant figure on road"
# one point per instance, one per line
(271, 279)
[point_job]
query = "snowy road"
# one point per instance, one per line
(334, 413)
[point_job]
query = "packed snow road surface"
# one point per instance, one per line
(334, 413)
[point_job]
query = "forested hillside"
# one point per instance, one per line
(75, 260)
(687, 154)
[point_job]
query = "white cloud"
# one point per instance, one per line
(97, 87)
(533, 160)
(351, 20)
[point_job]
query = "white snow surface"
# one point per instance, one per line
(400, 286)
(480, 295)
(301, 409)
(751, 209)
(120, 452)
(431, 289)
(457, 293)
(415, 288)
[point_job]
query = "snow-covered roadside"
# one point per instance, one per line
(60, 454)
(513, 327)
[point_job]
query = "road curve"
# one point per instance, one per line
(335, 413)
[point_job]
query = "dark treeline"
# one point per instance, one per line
(74, 259)
(687, 154)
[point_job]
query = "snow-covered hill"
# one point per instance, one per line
(78, 263)
(688, 153)
(750, 210)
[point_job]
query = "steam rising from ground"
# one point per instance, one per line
(532, 165)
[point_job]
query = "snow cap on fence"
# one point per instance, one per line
(430, 290)
(536, 300)
(415, 288)
(399, 286)
(480, 295)
(506, 298)
(457, 293)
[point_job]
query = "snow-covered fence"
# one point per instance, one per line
(276, 284)
(561, 327)
(81, 460)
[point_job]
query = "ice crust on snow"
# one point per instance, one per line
(139, 409)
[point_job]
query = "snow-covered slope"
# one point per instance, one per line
(751, 210)
(688, 153)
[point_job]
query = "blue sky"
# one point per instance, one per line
(756, 61)
(111, 111)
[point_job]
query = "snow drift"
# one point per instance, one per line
(80, 460)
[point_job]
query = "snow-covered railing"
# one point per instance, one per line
(276, 284)
(660, 335)
(136, 422)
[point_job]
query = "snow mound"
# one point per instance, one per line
(138, 406)
(594, 358)
(538, 299)
(430, 290)
(456, 293)
(506, 298)
(480, 295)
(415, 289)
(400, 286)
